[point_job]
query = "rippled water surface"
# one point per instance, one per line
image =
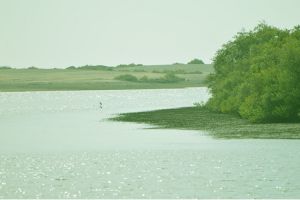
(60, 145)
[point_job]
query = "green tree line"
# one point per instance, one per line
(257, 75)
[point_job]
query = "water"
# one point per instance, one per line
(60, 145)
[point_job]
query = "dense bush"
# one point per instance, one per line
(32, 67)
(71, 67)
(167, 78)
(93, 67)
(127, 77)
(196, 61)
(130, 65)
(170, 78)
(177, 63)
(5, 67)
(257, 75)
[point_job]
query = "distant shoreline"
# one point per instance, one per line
(145, 77)
(155, 87)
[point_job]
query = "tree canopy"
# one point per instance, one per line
(257, 75)
(196, 61)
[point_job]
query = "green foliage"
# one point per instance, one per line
(130, 65)
(177, 63)
(196, 61)
(170, 78)
(167, 78)
(71, 67)
(126, 77)
(257, 75)
(32, 67)
(5, 67)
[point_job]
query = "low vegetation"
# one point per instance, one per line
(99, 77)
(91, 67)
(129, 65)
(167, 78)
(215, 124)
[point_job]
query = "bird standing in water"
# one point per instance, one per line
(100, 105)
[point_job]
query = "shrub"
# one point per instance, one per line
(127, 77)
(196, 61)
(170, 78)
(178, 63)
(130, 65)
(94, 67)
(71, 67)
(32, 67)
(5, 67)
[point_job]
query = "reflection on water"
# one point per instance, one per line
(59, 145)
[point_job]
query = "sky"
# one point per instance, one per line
(62, 33)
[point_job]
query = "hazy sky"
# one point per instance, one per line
(60, 33)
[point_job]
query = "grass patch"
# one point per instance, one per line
(216, 124)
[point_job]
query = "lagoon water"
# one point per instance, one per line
(61, 145)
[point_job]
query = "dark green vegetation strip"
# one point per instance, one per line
(216, 124)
